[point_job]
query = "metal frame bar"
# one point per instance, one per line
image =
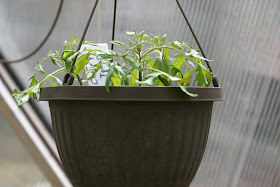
(32, 132)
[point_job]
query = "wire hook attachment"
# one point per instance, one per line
(214, 78)
(70, 75)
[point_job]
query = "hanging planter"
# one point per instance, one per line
(142, 131)
(135, 136)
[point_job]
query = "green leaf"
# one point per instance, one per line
(199, 76)
(184, 89)
(121, 74)
(55, 61)
(138, 45)
(165, 53)
(159, 83)
(172, 78)
(34, 88)
(206, 73)
(195, 53)
(23, 97)
(179, 75)
(133, 79)
(81, 62)
(118, 43)
(187, 74)
(52, 83)
(94, 71)
(150, 61)
(156, 41)
(70, 43)
(53, 58)
(59, 82)
(208, 76)
(33, 81)
(39, 68)
(186, 80)
(174, 71)
(161, 65)
(190, 64)
(146, 37)
(163, 39)
(179, 62)
(116, 80)
(131, 62)
(111, 72)
(74, 37)
(130, 43)
(149, 79)
(15, 92)
(68, 56)
(72, 57)
(106, 54)
(65, 45)
(141, 34)
(203, 76)
(130, 33)
(35, 97)
(177, 45)
(162, 81)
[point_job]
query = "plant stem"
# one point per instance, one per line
(129, 72)
(79, 79)
(162, 47)
(61, 70)
(164, 81)
(45, 59)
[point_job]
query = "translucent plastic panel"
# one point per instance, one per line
(242, 36)
(17, 167)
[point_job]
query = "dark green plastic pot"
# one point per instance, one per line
(134, 136)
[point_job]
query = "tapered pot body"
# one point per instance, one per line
(130, 142)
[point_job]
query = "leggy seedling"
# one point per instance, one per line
(146, 60)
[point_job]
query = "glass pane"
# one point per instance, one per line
(17, 167)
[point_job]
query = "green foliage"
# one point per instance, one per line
(146, 60)
(63, 62)
(81, 62)
(152, 60)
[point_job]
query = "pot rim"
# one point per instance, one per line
(129, 93)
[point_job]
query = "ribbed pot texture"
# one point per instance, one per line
(131, 143)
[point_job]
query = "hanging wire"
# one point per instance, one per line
(114, 23)
(69, 75)
(214, 78)
(189, 25)
(69, 78)
(42, 43)
(84, 34)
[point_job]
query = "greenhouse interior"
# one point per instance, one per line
(121, 93)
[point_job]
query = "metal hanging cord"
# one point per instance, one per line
(44, 40)
(69, 77)
(214, 78)
(114, 23)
